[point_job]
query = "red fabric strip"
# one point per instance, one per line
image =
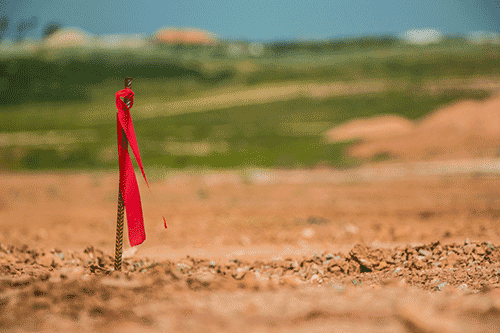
(128, 181)
(130, 193)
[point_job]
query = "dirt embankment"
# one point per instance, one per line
(467, 129)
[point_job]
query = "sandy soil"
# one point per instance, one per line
(467, 129)
(415, 254)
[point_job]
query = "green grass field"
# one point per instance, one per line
(63, 116)
(282, 134)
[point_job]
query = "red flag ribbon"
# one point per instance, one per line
(128, 181)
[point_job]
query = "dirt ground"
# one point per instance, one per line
(298, 254)
(406, 247)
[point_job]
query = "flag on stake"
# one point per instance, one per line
(128, 195)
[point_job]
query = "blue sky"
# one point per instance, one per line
(261, 19)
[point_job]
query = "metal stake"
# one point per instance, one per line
(121, 205)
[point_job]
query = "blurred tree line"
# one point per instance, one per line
(334, 45)
(25, 26)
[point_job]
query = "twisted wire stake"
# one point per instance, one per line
(121, 205)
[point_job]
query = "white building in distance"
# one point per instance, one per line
(422, 36)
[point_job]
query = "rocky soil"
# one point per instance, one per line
(427, 288)
(282, 251)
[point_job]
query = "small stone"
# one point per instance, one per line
(315, 279)
(418, 264)
(382, 265)
(389, 260)
(469, 248)
(480, 251)
(205, 277)
(46, 260)
(438, 249)
(278, 271)
(452, 259)
(239, 273)
(335, 270)
(176, 273)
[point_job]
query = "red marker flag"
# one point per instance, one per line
(128, 182)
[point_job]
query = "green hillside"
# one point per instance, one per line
(285, 134)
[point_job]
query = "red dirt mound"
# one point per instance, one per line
(467, 129)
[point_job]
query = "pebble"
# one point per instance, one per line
(239, 273)
(46, 260)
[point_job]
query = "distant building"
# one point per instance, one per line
(69, 37)
(422, 36)
(184, 36)
(483, 37)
